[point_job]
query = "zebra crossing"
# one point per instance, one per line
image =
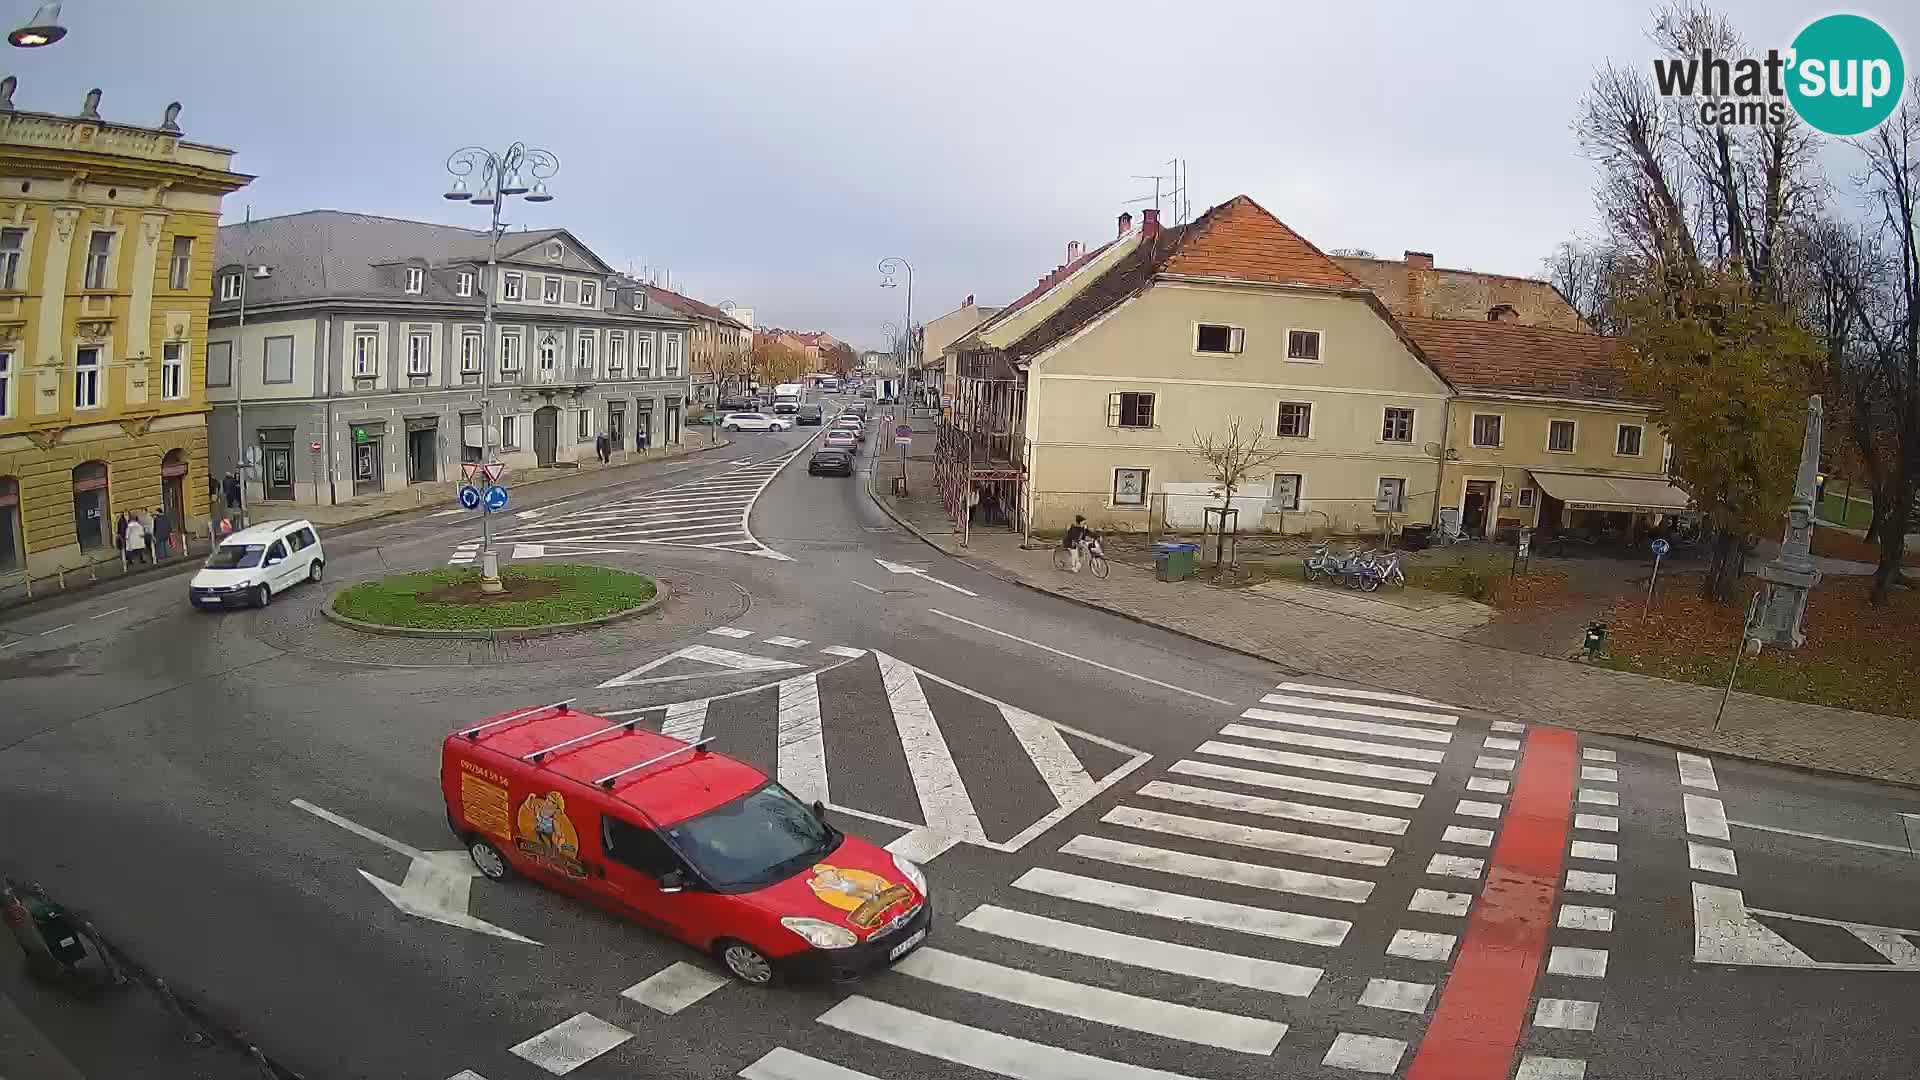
(710, 513)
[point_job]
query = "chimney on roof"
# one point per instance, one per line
(1126, 222)
(1419, 282)
(1073, 252)
(969, 301)
(1149, 224)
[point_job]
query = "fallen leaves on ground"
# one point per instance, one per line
(1856, 657)
(1836, 544)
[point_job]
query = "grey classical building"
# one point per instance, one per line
(358, 368)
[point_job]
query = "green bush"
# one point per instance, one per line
(575, 593)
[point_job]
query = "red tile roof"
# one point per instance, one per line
(686, 304)
(1506, 357)
(1241, 241)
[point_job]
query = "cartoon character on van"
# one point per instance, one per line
(861, 893)
(547, 834)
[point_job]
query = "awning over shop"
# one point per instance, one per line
(1618, 493)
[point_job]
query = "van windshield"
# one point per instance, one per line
(235, 556)
(760, 838)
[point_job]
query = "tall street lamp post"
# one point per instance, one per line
(40, 31)
(239, 375)
(888, 268)
(501, 176)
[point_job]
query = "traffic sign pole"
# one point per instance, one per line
(1659, 552)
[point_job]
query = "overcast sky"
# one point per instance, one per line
(771, 153)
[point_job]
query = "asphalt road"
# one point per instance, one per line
(1132, 876)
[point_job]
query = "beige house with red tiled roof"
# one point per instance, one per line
(1098, 383)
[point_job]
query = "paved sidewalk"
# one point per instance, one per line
(1527, 687)
(109, 575)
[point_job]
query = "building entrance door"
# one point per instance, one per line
(423, 464)
(1477, 507)
(277, 460)
(367, 468)
(546, 435)
(173, 490)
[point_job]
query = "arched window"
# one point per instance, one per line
(13, 546)
(91, 526)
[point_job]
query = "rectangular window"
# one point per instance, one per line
(1397, 426)
(1214, 338)
(1526, 496)
(229, 287)
(1286, 492)
(13, 251)
(506, 433)
(1560, 434)
(463, 284)
(1391, 496)
(180, 267)
(220, 363)
(6, 385)
(470, 353)
(638, 848)
(1130, 410)
(366, 355)
(643, 356)
(1296, 420)
(1303, 345)
(616, 354)
(419, 352)
(99, 260)
(416, 279)
(86, 377)
(1129, 487)
(509, 352)
(511, 287)
(550, 290)
(1627, 442)
(279, 360)
(672, 349)
(549, 352)
(586, 350)
(1486, 429)
(589, 294)
(173, 370)
(586, 424)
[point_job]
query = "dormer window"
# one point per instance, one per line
(589, 294)
(1502, 313)
(556, 251)
(230, 286)
(463, 284)
(416, 279)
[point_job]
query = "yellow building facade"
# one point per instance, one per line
(107, 234)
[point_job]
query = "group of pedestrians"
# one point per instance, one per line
(144, 537)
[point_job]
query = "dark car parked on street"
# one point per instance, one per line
(830, 461)
(811, 414)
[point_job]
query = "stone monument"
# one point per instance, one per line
(1791, 576)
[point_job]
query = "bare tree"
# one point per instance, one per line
(1588, 273)
(1234, 455)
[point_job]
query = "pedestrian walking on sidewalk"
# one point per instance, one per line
(146, 531)
(602, 448)
(162, 533)
(136, 549)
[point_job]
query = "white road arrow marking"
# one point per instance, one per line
(437, 884)
(529, 515)
(897, 568)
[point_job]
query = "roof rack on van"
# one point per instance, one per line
(607, 780)
(473, 733)
(536, 756)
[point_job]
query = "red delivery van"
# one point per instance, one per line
(682, 839)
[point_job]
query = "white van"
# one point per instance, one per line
(251, 565)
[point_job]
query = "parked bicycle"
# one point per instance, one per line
(1096, 557)
(1379, 568)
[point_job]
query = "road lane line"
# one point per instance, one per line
(1288, 782)
(867, 587)
(801, 744)
(1459, 866)
(685, 720)
(1901, 849)
(1313, 847)
(1582, 917)
(1457, 834)
(1438, 902)
(571, 1043)
(781, 1063)
(1580, 963)
(1384, 713)
(1056, 762)
(1277, 808)
(56, 629)
(1421, 945)
(1084, 660)
(1705, 817)
(1487, 785)
(1713, 860)
(104, 614)
(1364, 1053)
(1185, 908)
(1316, 762)
(1111, 1007)
(1408, 997)
(1365, 695)
(1233, 969)
(1697, 772)
(1357, 727)
(1599, 797)
(1476, 1028)
(1208, 868)
(945, 805)
(988, 1051)
(361, 831)
(1588, 849)
(1473, 808)
(674, 987)
(1590, 881)
(1495, 764)
(1329, 742)
(1565, 1013)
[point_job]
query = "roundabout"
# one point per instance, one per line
(539, 600)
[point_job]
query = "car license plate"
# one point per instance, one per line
(901, 949)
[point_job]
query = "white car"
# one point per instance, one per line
(753, 421)
(251, 565)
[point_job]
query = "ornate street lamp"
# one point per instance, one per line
(500, 176)
(40, 31)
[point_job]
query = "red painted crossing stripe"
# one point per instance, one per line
(1483, 1009)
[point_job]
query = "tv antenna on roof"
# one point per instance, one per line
(1169, 191)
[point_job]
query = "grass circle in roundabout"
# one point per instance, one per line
(539, 595)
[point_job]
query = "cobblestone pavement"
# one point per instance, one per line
(1531, 688)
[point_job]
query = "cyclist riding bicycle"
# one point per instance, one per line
(1078, 539)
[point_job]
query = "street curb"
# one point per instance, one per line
(994, 572)
(513, 633)
(182, 566)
